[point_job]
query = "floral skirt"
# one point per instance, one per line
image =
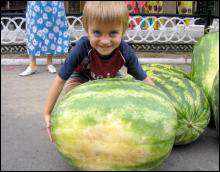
(46, 28)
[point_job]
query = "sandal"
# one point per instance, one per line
(51, 69)
(28, 71)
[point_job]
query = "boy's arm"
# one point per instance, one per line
(134, 67)
(52, 97)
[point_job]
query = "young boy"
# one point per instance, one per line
(99, 55)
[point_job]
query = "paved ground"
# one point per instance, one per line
(25, 145)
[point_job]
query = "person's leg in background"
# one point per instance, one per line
(50, 67)
(32, 68)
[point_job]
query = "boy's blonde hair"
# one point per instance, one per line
(105, 11)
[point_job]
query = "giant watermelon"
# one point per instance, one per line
(205, 62)
(166, 69)
(215, 101)
(189, 100)
(113, 124)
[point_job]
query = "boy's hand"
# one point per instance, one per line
(149, 81)
(48, 126)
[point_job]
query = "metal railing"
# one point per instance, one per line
(145, 30)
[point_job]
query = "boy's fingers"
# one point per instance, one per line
(47, 121)
(47, 118)
(48, 125)
(49, 133)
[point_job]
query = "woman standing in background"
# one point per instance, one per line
(46, 33)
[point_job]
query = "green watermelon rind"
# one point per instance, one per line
(160, 145)
(205, 62)
(181, 91)
(215, 101)
(165, 69)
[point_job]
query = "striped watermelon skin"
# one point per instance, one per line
(190, 102)
(114, 124)
(205, 62)
(165, 69)
(215, 101)
(162, 69)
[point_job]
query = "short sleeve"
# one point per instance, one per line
(133, 66)
(74, 58)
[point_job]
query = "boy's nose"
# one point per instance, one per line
(105, 41)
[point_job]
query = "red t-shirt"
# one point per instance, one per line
(96, 67)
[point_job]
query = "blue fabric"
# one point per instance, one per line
(81, 49)
(46, 28)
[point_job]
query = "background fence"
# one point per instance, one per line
(151, 32)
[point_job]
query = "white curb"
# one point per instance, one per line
(26, 61)
(165, 60)
(61, 61)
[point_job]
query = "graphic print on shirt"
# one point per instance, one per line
(96, 68)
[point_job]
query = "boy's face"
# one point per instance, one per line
(105, 37)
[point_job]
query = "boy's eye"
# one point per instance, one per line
(113, 33)
(97, 33)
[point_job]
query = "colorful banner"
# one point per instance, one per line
(134, 7)
(152, 7)
(185, 7)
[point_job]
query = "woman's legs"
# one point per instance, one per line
(49, 59)
(50, 67)
(32, 67)
(33, 63)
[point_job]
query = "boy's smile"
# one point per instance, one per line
(105, 37)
